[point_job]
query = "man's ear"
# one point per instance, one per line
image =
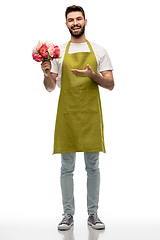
(86, 22)
(66, 24)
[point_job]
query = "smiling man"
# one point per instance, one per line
(76, 30)
(83, 67)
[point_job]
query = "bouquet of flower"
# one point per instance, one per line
(45, 51)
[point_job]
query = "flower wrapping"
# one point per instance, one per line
(45, 51)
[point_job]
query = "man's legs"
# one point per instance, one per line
(67, 186)
(93, 180)
(93, 184)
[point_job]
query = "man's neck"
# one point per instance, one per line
(81, 39)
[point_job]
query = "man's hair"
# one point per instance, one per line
(74, 8)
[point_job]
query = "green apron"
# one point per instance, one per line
(79, 123)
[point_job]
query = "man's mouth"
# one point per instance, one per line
(76, 28)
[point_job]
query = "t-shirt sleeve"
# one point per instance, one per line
(105, 62)
(54, 66)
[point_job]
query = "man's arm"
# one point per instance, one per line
(49, 78)
(50, 81)
(105, 81)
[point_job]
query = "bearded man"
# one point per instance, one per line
(82, 68)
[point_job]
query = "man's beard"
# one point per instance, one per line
(77, 35)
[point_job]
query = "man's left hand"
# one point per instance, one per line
(105, 80)
(88, 72)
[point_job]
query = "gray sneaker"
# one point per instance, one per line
(66, 222)
(95, 222)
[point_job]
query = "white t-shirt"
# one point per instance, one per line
(103, 60)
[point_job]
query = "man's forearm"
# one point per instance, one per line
(105, 82)
(49, 83)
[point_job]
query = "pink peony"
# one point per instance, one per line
(51, 51)
(35, 50)
(37, 57)
(56, 52)
(44, 51)
(49, 44)
(38, 46)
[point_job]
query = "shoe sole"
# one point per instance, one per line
(96, 227)
(65, 228)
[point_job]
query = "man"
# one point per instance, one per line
(79, 125)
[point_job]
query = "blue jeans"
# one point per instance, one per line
(93, 181)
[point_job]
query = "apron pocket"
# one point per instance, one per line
(81, 101)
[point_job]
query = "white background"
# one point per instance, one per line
(29, 173)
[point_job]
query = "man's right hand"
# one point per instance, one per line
(50, 78)
(46, 65)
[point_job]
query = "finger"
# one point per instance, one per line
(77, 71)
(45, 64)
(46, 68)
(74, 71)
(46, 60)
(88, 67)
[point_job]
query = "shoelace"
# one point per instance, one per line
(65, 219)
(96, 218)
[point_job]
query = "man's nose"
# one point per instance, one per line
(75, 22)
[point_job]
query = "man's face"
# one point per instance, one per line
(76, 24)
